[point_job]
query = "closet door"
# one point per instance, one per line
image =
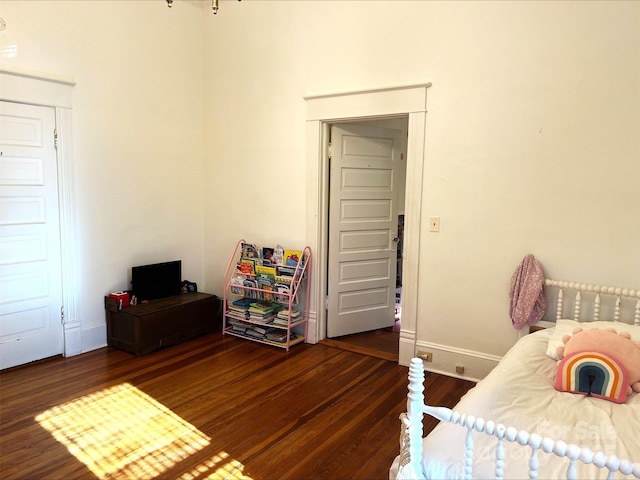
(30, 260)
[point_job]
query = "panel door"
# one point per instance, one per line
(30, 266)
(363, 225)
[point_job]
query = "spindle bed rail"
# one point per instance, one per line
(621, 305)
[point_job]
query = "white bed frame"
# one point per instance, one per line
(411, 434)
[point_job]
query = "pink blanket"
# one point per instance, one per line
(528, 300)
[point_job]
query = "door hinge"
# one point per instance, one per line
(330, 150)
(326, 303)
(55, 138)
(62, 314)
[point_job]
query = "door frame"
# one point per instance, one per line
(55, 92)
(379, 103)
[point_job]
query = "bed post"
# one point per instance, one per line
(415, 404)
(411, 437)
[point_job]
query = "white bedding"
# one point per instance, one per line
(519, 393)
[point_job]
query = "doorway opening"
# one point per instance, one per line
(326, 109)
(365, 176)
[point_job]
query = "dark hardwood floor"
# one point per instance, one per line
(214, 407)
(381, 343)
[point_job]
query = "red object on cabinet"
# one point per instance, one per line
(122, 298)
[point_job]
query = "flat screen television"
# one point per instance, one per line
(149, 282)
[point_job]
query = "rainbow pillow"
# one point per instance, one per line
(593, 373)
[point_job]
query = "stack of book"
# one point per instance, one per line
(260, 332)
(238, 326)
(282, 317)
(239, 308)
(250, 332)
(262, 311)
(279, 336)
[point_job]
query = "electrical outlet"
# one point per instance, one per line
(425, 356)
(459, 369)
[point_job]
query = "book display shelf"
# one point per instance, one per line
(266, 294)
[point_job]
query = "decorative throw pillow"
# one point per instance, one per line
(599, 363)
(593, 374)
(567, 326)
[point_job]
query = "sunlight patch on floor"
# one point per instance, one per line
(211, 470)
(122, 432)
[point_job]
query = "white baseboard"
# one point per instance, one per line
(72, 339)
(312, 328)
(94, 337)
(446, 358)
(405, 349)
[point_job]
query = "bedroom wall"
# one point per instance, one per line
(531, 147)
(531, 137)
(137, 118)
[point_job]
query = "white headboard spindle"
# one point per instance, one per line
(599, 290)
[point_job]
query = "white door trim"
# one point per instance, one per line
(324, 109)
(52, 91)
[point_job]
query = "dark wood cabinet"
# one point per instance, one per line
(141, 329)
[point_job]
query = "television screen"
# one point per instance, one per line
(158, 280)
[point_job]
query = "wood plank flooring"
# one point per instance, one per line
(382, 343)
(214, 407)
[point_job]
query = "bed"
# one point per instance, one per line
(515, 423)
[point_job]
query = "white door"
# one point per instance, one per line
(363, 227)
(30, 266)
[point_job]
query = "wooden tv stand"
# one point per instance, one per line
(143, 328)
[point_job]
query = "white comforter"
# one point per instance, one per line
(519, 393)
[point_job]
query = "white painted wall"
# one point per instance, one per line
(138, 148)
(532, 139)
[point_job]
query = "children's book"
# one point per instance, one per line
(283, 290)
(266, 253)
(263, 329)
(266, 284)
(251, 283)
(236, 282)
(263, 306)
(277, 336)
(232, 313)
(243, 302)
(236, 321)
(251, 332)
(292, 257)
(285, 313)
(278, 256)
(281, 336)
(247, 266)
(283, 279)
(288, 272)
(249, 250)
(238, 328)
(265, 271)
